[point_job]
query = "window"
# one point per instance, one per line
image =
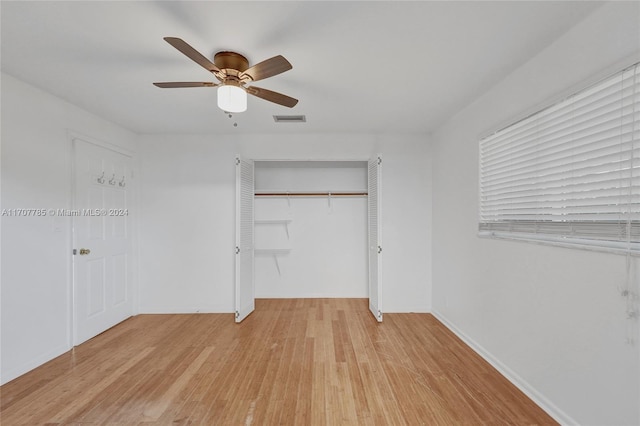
(569, 173)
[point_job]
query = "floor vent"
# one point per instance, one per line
(290, 118)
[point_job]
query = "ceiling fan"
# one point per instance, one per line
(233, 71)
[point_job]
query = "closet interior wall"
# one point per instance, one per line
(310, 245)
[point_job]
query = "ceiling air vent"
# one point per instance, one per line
(290, 118)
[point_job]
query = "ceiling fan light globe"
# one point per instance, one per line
(232, 98)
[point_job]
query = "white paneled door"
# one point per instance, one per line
(102, 273)
(245, 283)
(375, 240)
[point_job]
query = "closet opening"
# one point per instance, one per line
(307, 229)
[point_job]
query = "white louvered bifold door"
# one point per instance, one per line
(570, 170)
(245, 284)
(375, 244)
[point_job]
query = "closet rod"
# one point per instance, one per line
(311, 194)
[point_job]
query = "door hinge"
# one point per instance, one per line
(75, 251)
(237, 250)
(379, 249)
(237, 161)
(379, 160)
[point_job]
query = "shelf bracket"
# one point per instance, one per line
(275, 258)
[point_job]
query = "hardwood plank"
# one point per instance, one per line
(292, 362)
(177, 387)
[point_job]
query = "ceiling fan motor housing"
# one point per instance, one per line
(230, 61)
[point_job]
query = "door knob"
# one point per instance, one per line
(84, 251)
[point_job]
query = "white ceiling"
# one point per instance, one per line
(362, 67)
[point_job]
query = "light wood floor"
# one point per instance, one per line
(291, 362)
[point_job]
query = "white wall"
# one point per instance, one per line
(326, 238)
(36, 251)
(188, 219)
(316, 176)
(551, 318)
(328, 248)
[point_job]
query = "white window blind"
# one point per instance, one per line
(570, 172)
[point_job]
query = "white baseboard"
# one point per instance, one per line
(14, 373)
(537, 397)
(226, 310)
(406, 310)
(216, 309)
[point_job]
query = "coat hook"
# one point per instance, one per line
(122, 183)
(112, 181)
(101, 178)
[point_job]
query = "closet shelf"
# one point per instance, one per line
(284, 222)
(274, 251)
(272, 221)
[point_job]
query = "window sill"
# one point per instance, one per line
(589, 245)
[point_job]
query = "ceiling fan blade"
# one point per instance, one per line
(175, 84)
(268, 68)
(192, 54)
(272, 96)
